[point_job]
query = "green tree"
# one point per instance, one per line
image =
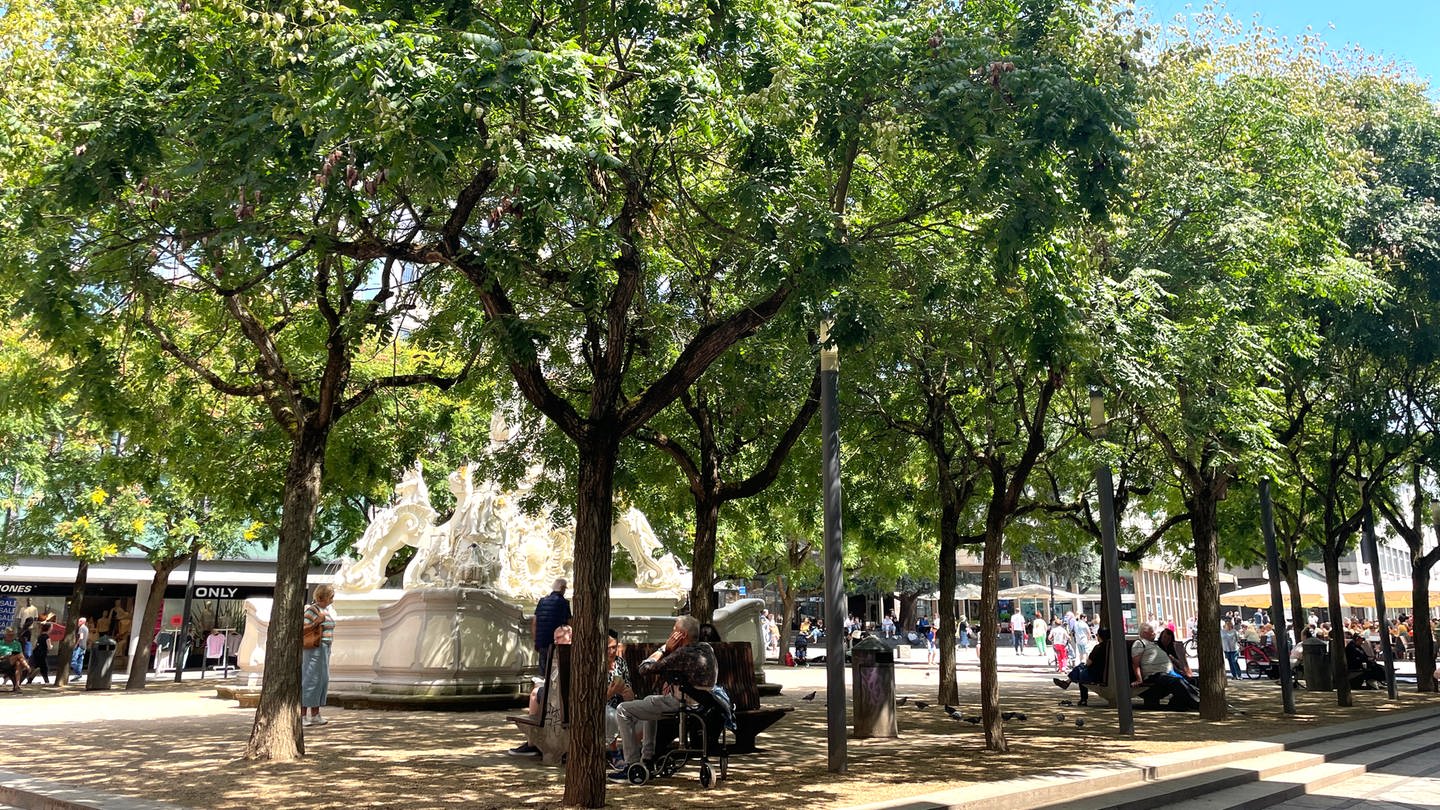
(1242, 179)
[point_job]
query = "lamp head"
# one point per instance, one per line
(829, 352)
(1097, 413)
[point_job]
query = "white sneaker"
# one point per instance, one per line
(304, 719)
(317, 720)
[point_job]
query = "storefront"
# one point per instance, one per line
(118, 590)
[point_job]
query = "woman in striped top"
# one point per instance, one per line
(315, 661)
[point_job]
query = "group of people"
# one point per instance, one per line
(686, 660)
(25, 654)
(1068, 638)
(1157, 662)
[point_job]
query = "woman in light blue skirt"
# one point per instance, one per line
(315, 661)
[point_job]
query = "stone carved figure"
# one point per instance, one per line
(404, 523)
(652, 572)
(490, 542)
(447, 549)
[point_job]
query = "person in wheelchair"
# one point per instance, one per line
(685, 661)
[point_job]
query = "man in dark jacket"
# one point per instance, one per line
(551, 612)
(683, 655)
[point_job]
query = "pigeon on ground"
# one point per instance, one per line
(952, 711)
(1079, 722)
(1013, 716)
(1067, 703)
(902, 701)
(1059, 718)
(971, 720)
(922, 705)
(809, 697)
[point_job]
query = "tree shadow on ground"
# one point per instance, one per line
(367, 759)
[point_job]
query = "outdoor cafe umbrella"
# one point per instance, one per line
(1313, 593)
(1035, 590)
(1398, 594)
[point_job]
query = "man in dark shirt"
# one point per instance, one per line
(551, 612)
(694, 662)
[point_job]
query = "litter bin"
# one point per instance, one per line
(872, 671)
(102, 664)
(1315, 656)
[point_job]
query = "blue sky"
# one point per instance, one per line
(1404, 30)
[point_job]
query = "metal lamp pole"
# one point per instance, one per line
(834, 568)
(1110, 565)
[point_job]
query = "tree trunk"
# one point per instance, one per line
(702, 566)
(1339, 671)
(905, 615)
(787, 614)
(989, 629)
(1297, 601)
(1421, 637)
(1207, 590)
(949, 691)
(594, 515)
(276, 734)
(140, 662)
(72, 620)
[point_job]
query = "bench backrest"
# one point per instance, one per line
(1104, 674)
(736, 660)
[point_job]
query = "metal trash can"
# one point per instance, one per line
(1315, 656)
(102, 664)
(872, 678)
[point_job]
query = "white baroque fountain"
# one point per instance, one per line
(459, 624)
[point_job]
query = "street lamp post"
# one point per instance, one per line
(1110, 565)
(834, 568)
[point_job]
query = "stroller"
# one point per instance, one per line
(1259, 661)
(703, 720)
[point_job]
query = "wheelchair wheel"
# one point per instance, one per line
(1253, 671)
(638, 774)
(672, 763)
(706, 777)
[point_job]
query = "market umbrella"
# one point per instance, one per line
(1035, 590)
(1398, 593)
(1313, 593)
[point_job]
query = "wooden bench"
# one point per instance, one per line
(550, 732)
(1103, 687)
(736, 661)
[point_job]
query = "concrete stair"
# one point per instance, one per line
(1246, 776)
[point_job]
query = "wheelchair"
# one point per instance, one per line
(702, 736)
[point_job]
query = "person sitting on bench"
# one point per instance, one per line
(1092, 671)
(683, 655)
(1359, 662)
(1152, 667)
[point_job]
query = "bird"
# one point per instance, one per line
(1059, 718)
(971, 720)
(902, 701)
(1079, 722)
(809, 697)
(1013, 716)
(922, 705)
(1067, 703)
(953, 712)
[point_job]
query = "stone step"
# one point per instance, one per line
(1268, 792)
(1086, 786)
(1323, 761)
